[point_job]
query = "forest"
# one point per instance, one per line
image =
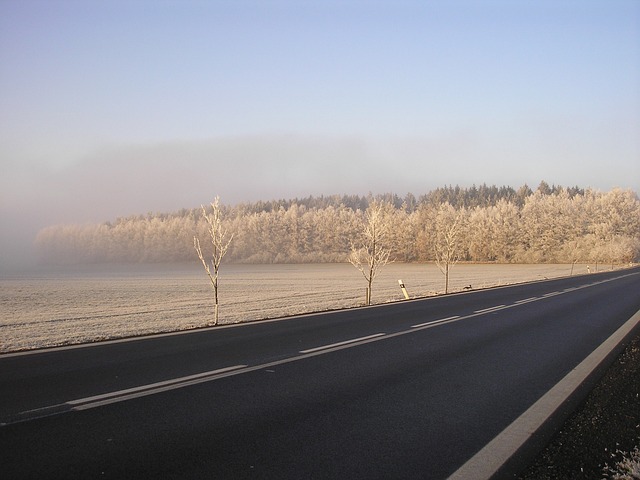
(493, 224)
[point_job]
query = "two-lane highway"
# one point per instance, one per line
(406, 390)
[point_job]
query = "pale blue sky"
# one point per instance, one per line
(109, 108)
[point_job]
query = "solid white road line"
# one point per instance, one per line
(346, 342)
(486, 463)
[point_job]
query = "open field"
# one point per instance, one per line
(81, 304)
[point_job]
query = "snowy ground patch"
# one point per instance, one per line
(84, 304)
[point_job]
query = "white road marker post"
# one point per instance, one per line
(404, 290)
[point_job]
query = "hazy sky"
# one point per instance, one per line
(111, 108)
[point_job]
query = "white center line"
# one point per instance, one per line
(121, 395)
(526, 300)
(346, 342)
(435, 322)
(487, 310)
(149, 389)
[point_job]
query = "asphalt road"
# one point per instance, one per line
(406, 390)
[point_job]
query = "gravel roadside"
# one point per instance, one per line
(602, 432)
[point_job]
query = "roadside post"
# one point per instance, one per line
(404, 290)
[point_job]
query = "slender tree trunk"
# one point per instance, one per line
(372, 266)
(446, 278)
(215, 294)
(370, 281)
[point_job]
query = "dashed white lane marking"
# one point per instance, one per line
(435, 322)
(526, 300)
(121, 395)
(346, 342)
(150, 389)
(490, 309)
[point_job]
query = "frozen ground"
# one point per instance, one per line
(86, 304)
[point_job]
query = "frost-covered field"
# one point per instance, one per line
(84, 304)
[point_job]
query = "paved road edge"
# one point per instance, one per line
(490, 461)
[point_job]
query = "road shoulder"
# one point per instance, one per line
(511, 450)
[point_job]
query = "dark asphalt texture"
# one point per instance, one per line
(414, 405)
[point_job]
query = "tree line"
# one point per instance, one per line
(551, 224)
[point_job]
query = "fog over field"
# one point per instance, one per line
(112, 109)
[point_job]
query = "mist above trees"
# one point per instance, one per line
(494, 224)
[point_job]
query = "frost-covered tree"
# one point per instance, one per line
(372, 252)
(501, 225)
(480, 239)
(220, 240)
(403, 230)
(425, 219)
(547, 223)
(448, 249)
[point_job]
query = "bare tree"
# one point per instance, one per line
(372, 254)
(447, 248)
(220, 241)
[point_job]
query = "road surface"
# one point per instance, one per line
(415, 389)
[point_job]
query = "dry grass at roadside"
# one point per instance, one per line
(628, 468)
